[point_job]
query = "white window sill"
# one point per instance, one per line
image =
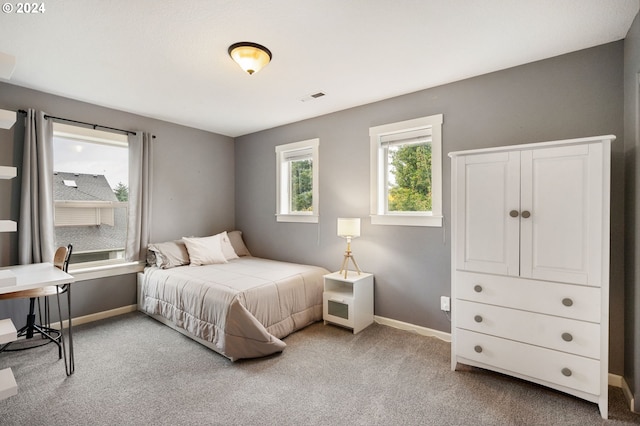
(296, 218)
(83, 273)
(401, 220)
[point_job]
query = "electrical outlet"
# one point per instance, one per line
(445, 303)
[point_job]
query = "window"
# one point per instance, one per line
(90, 187)
(406, 172)
(297, 181)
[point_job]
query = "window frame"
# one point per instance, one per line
(283, 198)
(378, 184)
(90, 135)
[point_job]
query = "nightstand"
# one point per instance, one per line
(348, 301)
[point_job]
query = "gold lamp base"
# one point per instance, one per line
(345, 263)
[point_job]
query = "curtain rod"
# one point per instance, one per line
(129, 132)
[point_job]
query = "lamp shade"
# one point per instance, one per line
(251, 57)
(349, 227)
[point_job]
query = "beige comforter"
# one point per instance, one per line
(243, 308)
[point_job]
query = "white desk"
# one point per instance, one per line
(38, 275)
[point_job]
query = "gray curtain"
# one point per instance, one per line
(36, 238)
(140, 173)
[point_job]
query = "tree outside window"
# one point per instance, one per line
(409, 179)
(301, 186)
(122, 192)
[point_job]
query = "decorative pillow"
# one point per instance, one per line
(205, 250)
(151, 257)
(168, 255)
(227, 248)
(238, 244)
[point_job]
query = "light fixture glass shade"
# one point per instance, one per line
(251, 57)
(349, 227)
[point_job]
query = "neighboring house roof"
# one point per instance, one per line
(89, 187)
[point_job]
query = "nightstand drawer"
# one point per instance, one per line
(560, 368)
(563, 334)
(338, 307)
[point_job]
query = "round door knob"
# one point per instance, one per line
(514, 213)
(478, 348)
(566, 372)
(477, 288)
(567, 301)
(526, 214)
(477, 318)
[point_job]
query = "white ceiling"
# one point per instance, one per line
(167, 59)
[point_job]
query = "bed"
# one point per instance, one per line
(240, 307)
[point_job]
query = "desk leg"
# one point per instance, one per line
(69, 362)
(72, 363)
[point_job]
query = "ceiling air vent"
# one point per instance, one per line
(312, 97)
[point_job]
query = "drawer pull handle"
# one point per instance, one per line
(567, 302)
(478, 348)
(567, 337)
(514, 213)
(478, 318)
(478, 288)
(566, 372)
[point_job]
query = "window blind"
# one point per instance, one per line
(298, 155)
(412, 137)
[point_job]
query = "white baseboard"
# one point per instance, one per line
(628, 395)
(615, 380)
(423, 331)
(97, 316)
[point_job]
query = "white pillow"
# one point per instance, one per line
(205, 250)
(227, 248)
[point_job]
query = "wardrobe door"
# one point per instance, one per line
(561, 214)
(487, 214)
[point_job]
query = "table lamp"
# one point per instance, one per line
(348, 228)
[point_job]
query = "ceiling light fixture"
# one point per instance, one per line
(251, 57)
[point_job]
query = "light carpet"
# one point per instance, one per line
(132, 370)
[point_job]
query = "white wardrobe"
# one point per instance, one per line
(530, 263)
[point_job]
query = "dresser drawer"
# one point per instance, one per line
(564, 300)
(571, 371)
(563, 334)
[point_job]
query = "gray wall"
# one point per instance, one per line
(632, 236)
(193, 188)
(574, 95)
